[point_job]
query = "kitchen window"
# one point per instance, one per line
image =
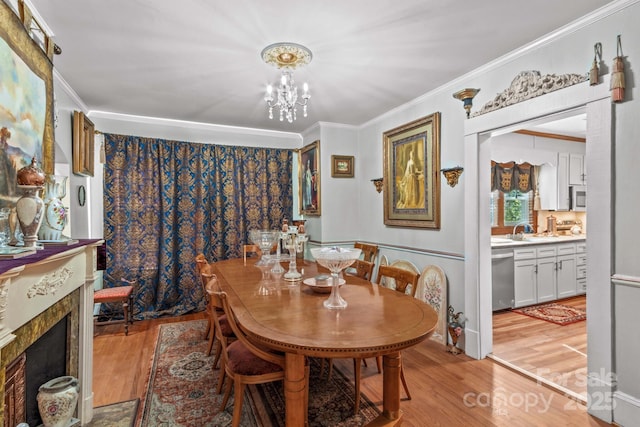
(509, 209)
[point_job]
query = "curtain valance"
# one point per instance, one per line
(510, 176)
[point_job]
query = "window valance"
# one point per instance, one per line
(510, 176)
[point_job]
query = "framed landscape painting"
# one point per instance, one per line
(309, 179)
(411, 174)
(26, 121)
(342, 166)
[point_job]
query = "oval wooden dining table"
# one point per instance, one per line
(292, 318)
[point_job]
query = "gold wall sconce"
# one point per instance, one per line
(378, 183)
(452, 175)
(466, 96)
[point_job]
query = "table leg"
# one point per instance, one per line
(295, 390)
(391, 414)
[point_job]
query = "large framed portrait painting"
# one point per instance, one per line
(411, 174)
(309, 182)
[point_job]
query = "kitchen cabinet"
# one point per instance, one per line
(554, 185)
(544, 273)
(577, 172)
(581, 268)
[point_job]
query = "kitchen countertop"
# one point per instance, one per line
(503, 242)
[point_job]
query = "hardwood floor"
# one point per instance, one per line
(446, 389)
(552, 352)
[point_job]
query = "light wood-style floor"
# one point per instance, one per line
(552, 352)
(447, 389)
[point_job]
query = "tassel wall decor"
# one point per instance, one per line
(617, 75)
(597, 57)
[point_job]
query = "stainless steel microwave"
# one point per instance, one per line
(578, 198)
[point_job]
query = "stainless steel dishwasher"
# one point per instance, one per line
(502, 278)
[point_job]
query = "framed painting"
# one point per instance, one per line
(411, 174)
(342, 166)
(83, 144)
(26, 125)
(309, 179)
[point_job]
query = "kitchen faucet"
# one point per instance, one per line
(526, 224)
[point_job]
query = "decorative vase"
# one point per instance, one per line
(30, 206)
(55, 214)
(57, 401)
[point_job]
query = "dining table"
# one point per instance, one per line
(289, 316)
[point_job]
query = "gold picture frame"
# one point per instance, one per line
(342, 166)
(412, 174)
(26, 126)
(309, 179)
(83, 144)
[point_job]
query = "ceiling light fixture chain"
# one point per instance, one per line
(287, 56)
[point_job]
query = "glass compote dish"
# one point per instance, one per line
(265, 239)
(335, 259)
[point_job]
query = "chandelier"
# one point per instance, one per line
(287, 56)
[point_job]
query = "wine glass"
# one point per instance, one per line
(335, 259)
(265, 239)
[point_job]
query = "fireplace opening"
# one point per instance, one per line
(44, 360)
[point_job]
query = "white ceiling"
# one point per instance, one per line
(200, 61)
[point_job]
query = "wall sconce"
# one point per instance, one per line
(378, 183)
(452, 175)
(466, 96)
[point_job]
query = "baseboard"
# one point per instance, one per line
(626, 409)
(471, 344)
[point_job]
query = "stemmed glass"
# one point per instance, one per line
(335, 259)
(293, 242)
(265, 239)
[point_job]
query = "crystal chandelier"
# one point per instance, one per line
(287, 57)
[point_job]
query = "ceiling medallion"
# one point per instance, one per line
(287, 57)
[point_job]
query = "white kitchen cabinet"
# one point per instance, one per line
(566, 276)
(554, 185)
(563, 182)
(581, 268)
(544, 273)
(524, 282)
(577, 173)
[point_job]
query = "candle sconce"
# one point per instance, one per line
(452, 175)
(378, 183)
(466, 96)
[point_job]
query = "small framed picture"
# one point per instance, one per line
(342, 166)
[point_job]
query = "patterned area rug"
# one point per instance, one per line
(182, 389)
(121, 414)
(554, 313)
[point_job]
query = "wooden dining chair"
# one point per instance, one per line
(223, 333)
(201, 261)
(247, 363)
(250, 249)
(406, 282)
(369, 251)
(118, 294)
(362, 269)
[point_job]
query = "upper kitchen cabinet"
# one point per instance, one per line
(577, 172)
(553, 183)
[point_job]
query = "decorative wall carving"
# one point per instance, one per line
(50, 283)
(530, 84)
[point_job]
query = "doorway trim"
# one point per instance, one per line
(478, 130)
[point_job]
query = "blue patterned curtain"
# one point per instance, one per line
(167, 201)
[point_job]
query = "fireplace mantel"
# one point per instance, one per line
(30, 286)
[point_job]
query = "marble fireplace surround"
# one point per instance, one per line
(35, 295)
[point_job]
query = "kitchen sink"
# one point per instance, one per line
(497, 240)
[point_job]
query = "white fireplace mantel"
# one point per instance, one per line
(30, 289)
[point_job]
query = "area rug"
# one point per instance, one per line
(121, 414)
(555, 313)
(182, 389)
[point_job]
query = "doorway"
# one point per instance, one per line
(478, 132)
(548, 353)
